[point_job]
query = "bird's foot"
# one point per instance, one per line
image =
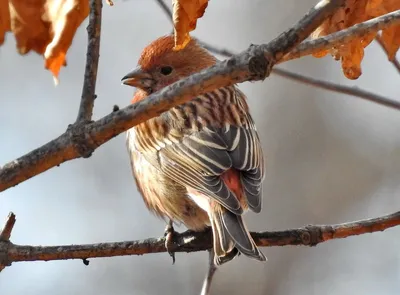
(169, 235)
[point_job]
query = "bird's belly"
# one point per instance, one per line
(202, 201)
(163, 196)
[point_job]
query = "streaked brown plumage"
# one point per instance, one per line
(200, 163)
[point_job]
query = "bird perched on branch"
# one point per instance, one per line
(199, 163)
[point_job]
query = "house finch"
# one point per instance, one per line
(199, 163)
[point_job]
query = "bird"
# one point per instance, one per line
(200, 163)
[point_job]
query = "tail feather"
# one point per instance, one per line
(230, 232)
(217, 245)
(226, 241)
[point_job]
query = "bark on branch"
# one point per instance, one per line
(334, 87)
(190, 241)
(308, 47)
(80, 140)
(344, 36)
(92, 61)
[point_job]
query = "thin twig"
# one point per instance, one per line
(92, 62)
(344, 36)
(356, 92)
(322, 43)
(219, 51)
(212, 268)
(5, 235)
(166, 9)
(190, 241)
(353, 91)
(254, 64)
(395, 61)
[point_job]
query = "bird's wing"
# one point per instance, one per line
(198, 158)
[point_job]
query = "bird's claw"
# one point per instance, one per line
(169, 234)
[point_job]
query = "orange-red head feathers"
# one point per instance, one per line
(159, 65)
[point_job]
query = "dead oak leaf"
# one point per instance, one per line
(4, 19)
(185, 15)
(391, 41)
(390, 36)
(65, 16)
(46, 27)
(353, 12)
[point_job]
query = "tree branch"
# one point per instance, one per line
(344, 36)
(353, 91)
(190, 241)
(212, 268)
(5, 235)
(92, 62)
(303, 79)
(166, 10)
(254, 64)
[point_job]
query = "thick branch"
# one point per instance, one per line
(190, 241)
(254, 64)
(92, 62)
(344, 36)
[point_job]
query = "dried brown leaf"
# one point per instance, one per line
(354, 12)
(4, 19)
(65, 16)
(391, 40)
(30, 31)
(46, 27)
(185, 15)
(391, 35)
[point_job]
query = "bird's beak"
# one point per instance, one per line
(138, 78)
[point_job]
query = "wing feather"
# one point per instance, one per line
(199, 157)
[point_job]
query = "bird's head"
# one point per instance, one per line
(159, 65)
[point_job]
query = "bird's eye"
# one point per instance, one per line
(166, 70)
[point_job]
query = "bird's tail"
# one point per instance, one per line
(231, 236)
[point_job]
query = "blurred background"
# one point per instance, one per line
(331, 159)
